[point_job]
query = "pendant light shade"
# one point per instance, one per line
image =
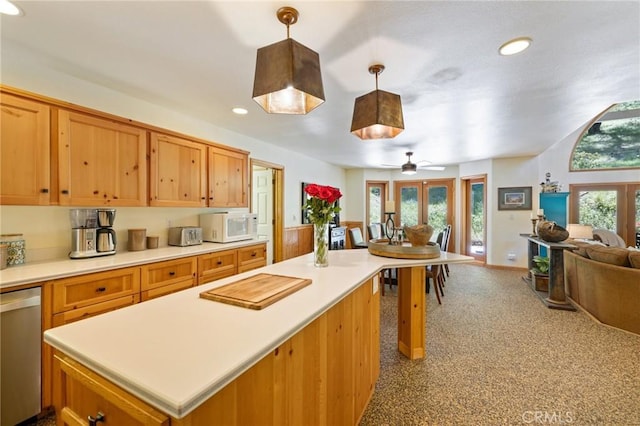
(409, 168)
(288, 78)
(378, 114)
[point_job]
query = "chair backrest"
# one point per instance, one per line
(446, 237)
(356, 236)
(375, 231)
(439, 239)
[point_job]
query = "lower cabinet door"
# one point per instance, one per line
(82, 397)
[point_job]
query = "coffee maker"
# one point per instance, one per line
(92, 234)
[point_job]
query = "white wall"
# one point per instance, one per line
(47, 230)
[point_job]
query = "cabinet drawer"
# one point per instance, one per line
(85, 290)
(89, 311)
(84, 393)
(170, 272)
(216, 265)
(252, 257)
(167, 289)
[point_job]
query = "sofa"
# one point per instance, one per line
(605, 282)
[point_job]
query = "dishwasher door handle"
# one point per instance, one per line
(20, 304)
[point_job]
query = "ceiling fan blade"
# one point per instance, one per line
(423, 163)
(437, 168)
(389, 165)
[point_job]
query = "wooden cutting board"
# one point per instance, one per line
(256, 292)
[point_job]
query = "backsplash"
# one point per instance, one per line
(47, 229)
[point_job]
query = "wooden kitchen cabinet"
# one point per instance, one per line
(252, 257)
(100, 162)
(91, 289)
(71, 299)
(24, 152)
(217, 265)
(178, 172)
(161, 278)
(81, 394)
(228, 178)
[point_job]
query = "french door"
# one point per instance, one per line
(474, 217)
(614, 207)
(428, 201)
(377, 195)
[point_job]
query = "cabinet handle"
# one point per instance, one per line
(44, 190)
(93, 421)
(172, 273)
(100, 289)
(219, 262)
(253, 254)
(65, 191)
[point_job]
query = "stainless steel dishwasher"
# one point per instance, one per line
(20, 322)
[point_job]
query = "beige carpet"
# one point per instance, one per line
(497, 356)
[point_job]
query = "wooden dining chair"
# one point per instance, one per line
(434, 273)
(389, 276)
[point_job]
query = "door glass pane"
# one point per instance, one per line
(437, 209)
(375, 204)
(477, 218)
(599, 208)
(409, 206)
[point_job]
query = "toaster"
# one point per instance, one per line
(185, 236)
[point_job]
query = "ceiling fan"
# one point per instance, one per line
(410, 168)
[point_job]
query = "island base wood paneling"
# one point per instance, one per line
(323, 375)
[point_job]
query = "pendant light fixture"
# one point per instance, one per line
(287, 78)
(409, 168)
(378, 114)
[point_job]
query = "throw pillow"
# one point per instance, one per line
(612, 255)
(582, 247)
(634, 258)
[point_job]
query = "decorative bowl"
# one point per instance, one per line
(419, 235)
(551, 232)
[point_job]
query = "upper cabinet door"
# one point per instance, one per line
(24, 152)
(228, 178)
(178, 172)
(101, 163)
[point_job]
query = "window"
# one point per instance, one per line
(615, 207)
(611, 142)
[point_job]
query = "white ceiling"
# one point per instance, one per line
(462, 101)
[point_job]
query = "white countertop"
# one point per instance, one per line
(28, 273)
(176, 351)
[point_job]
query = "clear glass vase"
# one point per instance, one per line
(321, 245)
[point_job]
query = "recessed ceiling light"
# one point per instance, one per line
(8, 8)
(514, 46)
(240, 111)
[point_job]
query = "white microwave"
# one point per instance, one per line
(228, 227)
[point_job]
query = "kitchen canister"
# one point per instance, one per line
(137, 239)
(152, 242)
(15, 248)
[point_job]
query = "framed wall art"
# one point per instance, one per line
(514, 198)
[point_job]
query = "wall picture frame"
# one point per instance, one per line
(514, 198)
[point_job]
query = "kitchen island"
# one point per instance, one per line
(310, 358)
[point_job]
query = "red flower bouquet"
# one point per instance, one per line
(321, 204)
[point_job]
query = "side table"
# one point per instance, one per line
(556, 297)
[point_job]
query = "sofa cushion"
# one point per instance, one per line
(612, 255)
(582, 247)
(634, 258)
